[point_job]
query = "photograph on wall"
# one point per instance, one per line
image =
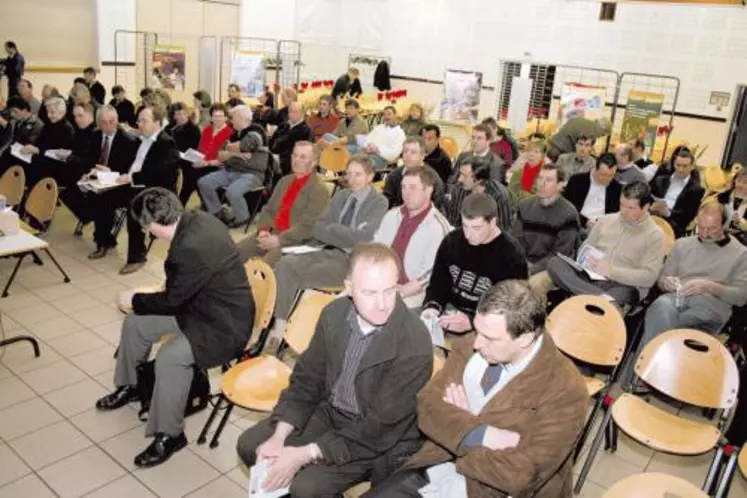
(168, 68)
(248, 71)
(461, 99)
(581, 101)
(641, 119)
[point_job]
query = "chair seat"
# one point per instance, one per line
(256, 383)
(653, 484)
(662, 431)
(742, 461)
(593, 385)
(28, 228)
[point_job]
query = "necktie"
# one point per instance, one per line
(104, 156)
(347, 216)
(491, 377)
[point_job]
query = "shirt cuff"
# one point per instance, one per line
(474, 438)
(316, 453)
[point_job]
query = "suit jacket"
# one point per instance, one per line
(309, 205)
(285, 138)
(546, 404)
(329, 231)
(578, 187)
(396, 365)
(160, 164)
(122, 151)
(206, 290)
(98, 92)
(440, 162)
(27, 131)
(685, 207)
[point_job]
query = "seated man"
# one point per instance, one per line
(384, 142)
(435, 156)
(155, 165)
(325, 120)
(414, 230)
(474, 176)
(565, 138)
(505, 411)
(207, 305)
(646, 165)
(481, 148)
(468, 262)
(57, 135)
(595, 194)
(580, 161)
(678, 195)
(627, 171)
(349, 413)
(352, 218)
(243, 166)
(546, 224)
(289, 134)
(348, 128)
(25, 129)
(413, 153)
(626, 249)
(290, 214)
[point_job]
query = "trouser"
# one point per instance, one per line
(378, 161)
(737, 433)
(173, 369)
(248, 249)
(403, 484)
(323, 480)
(577, 283)
(78, 202)
(298, 272)
(190, 177)
(105, 204)
(236, 184)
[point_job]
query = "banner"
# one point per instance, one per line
(461, 100)
(641, 118)
(581, 101)
(168, 68)
(248, 71)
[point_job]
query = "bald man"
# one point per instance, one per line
(289, 133)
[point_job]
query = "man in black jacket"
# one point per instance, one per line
(595, 194)
(288, 134)
(435, 157)
(98, 92)
(349, 413)
(677, 196)
(206, 304)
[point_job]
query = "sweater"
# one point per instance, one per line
(572, 164)
(544, 231)
(440, 162)
(389, 140)
(463, 272)
(630, 174)
(506, 208)
(356, 126)
(211, 142)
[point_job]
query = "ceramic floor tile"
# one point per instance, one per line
(73, 476)
(98, 315)
(8, 324)
(13, 390)
(124, 487)
(108, 295)
(47, 379)
(97, 361)
(239, 475)
(57, 291)
(110, 331)
(26, 417)
(39, 280)
(106, 379)
(76, 398)
(36, 313)
(93, 282)
(224, 457)
(738, 486)
(54, 328)
(11, 466)
(5, 373)
(100, 426)
(124, 447)
(78, 302)
(223, 487)
(591, 490)
(691, 468)
(18, 300)
(77, 343)
(183, 473)
(28, 487)
(19, 357)
(608, 468)
(50, 444)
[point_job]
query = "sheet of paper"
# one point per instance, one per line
(107, 177)
(192, 156)
(257, 475)
(58, 154)
(15, 150)
(579, 267)
(435, 330)
(584, 254)
(300, 249)
(361, 140)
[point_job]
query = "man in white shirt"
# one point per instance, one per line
(627, 171)
(596, 193)
(384, 142)
(646, 165)
(677, 196)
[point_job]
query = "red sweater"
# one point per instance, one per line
(210, 144)
(283, 218)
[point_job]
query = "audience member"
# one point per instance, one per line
(265, 111)
(125, 108)
(15, 66)
(677, 196)
(290, 214)
(234, 96)
(324, 121)
(98, 92)
(349, 413)
(524, 174)
(413, 154)
(348, 128)
(155, 165)
(414, 122)
(734, 201)
(435, 157)
(498, 143)
(625, 249)
(627, 171)
(504, 414)
(185, 133)
(384, 143)
(58, 134)
(48, 92)
(202, 115)
(415, 231)
(348, 84)
(646, 165)
(26, 91)
(595, 194)
(206, 305)
(289, 134)
(580, 161)
(25, 128)
(481, 148)
(468, 262)
(281, 116)
(564, 140)
(81, 95)
(243, 166)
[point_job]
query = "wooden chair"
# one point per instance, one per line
(379, 186)
(334, 158)
(653, 484)
(590, 330)
(690, 367)
(12, 185)
(669, 237)
(42, 203)
(449, 146)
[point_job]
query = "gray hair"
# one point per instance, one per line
(524, 310)
(107, 109)
(243, 111)
(156, 205)
(57, 103)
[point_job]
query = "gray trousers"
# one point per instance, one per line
(173, 369)
(248, 249)
(569, 279)
(323, 268)
(236, 184)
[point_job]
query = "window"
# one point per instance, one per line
(607, 11)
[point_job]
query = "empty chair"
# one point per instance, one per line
(334, 158)
(41, 204)
(669, 237)
(12, 185)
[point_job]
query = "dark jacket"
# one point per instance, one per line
(343, 86)
(160, 164)
(59, 135)
(578, 187)
(27, 131)
(79, 161)
(440, 162)
(98, 92)
(206, 290)
(122, 151)
(125, 111)
(685, 207)
(382, 80)
(397, 364)
(186, 136)
(285, 138)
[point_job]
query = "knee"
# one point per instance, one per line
(206, 183)
(246, 447)
(306, 484)
(235, 193)
(552, 266)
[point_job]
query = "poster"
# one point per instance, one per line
(581, 101)
(248, 71)
(168, 67)
(461, 100)
(641, 117)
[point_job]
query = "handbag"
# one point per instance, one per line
(199, 391)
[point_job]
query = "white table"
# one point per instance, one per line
(23, 244)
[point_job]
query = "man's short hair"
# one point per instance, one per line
(713, 205)
(117, 89)
(57, 102)
(390, 108)
(156, 205)
(479, 205)
(585, 138)
(638, 191)
(627, 151)
(328, 98)
(87, 108)
(19, 103)
(234, 86)
(219, 106)
(480, 167)
(79, 80)
(352, 103)
(243, 111)
(146, 91)
(490, 121)
(104, 109)
(524, 310)
(608, 159)
(89, 70)
(354, 70)
(178, 106)
(559, 172)
(427, 177)
(364, 160)
(481, 129)
(28, 83)
(316, 151)
(685, 154)
(11, 44)
(414, 139)
(203, 97)
(431, 127)
(372, 252)
(157, 112)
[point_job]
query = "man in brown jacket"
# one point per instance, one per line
(289, 216)
(503, 415)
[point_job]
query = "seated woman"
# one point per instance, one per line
(525, 171)
(735, 200)
(414, 121)
(58, 134)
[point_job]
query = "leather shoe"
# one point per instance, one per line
(100, 252)
(118, 398)
(131, 268)
(160, 450)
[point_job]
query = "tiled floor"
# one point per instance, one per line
(54, 443)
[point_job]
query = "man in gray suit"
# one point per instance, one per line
(352, 218)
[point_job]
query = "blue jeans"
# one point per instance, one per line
(236, 184)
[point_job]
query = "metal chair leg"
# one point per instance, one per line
(13, 275)
(592, 452)
(22, 338)
(713, 470)
(215, 441)
(203, 434)
(49, 253)
(589, 424)
(725, 484)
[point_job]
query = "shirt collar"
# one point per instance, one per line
(677, 179)
(516, 369)
(361, 195)
(151, 138)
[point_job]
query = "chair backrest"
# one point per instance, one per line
(653, 484)
(264, 289)
(302, 322)
(42, 201)
(334, 159)
(690, 366)
(666, 228)
(449, 146)
(588, 329)
(12, 184)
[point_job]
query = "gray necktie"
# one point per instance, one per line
(491, 377)
(347, 216)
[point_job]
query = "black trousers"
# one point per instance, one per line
(403, 484)
(190, 177)
(737, 433)
(104, 206)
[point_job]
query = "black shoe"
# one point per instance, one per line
(160, 450)
(100, 252)
(118, 398)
